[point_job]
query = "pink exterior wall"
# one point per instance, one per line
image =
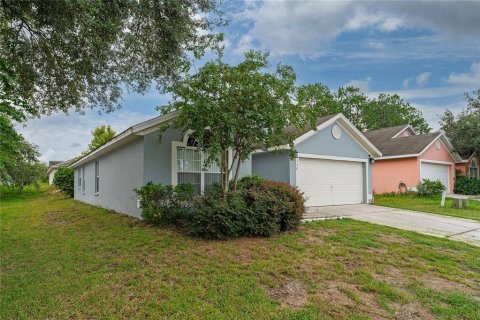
(442, 155)
(461, 168)
(387, 174)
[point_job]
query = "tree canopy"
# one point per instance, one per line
(77, 54)
(365, 113)
(101, 135)
(463, 128)
(15, 152)
(238, 107)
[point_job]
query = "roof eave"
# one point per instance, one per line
(140, 129)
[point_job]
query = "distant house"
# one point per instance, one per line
(408, 157)
(333, 165)
(468, 167)
(52, 169)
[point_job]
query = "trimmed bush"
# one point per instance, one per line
(165, 204)
(257, 208)
(216, 216)
(428, 188)
(466, 185)
(64, 180)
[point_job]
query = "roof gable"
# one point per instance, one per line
(347, 126)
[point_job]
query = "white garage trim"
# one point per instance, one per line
(366, 196)
(437, 162)
(445, 163)
(318, 156)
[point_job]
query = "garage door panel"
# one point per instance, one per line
(435, 171)
(330, 182)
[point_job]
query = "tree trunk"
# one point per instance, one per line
(237, 170)
(225, 172)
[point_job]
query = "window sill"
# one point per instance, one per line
(96, 194)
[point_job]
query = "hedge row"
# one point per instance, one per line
(257, 208)
(466, 185)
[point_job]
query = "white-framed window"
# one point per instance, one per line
(79, 178)
(83, 179)
(97, 177)
(473, 171)
(190, 167)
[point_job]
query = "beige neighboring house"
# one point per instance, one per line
(53, 167)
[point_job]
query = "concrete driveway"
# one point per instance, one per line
(427, 223)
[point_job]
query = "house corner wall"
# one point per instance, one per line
(120, 171)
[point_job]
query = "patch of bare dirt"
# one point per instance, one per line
(336, 291)
(393, 238)
(393, 276)
(292, 293)
(443, 285)
(333, 292)
(413, 310)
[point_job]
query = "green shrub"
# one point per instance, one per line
(466, 185)
(257, 208)
(429, 188)
(216, 216)
(164, 203)
(276, 202)
(64, 180)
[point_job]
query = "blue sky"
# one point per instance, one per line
(426, 51)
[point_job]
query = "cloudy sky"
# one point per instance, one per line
(428, 52)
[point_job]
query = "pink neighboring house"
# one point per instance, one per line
(407, 158)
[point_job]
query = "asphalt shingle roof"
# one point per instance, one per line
(414, 144)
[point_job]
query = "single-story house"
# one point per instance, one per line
(333, 165)
(52, 169)
(468, 167)
(408, 157)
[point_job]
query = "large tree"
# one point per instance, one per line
(100, 136)
(15, 151)
(240, 108)
(463, 128)
(391, 110)
(365, 113)
(84, 53)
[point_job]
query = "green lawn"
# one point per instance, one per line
(64, 259)
(432, 205)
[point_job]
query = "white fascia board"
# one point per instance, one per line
(136, 130)
(310, 133)
(443, 140)
(374, 152)
(350, 128)
(412, 155)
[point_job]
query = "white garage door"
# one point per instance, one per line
(330, 182)
(434, 171)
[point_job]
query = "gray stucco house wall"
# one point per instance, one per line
(131, 165)
(120, 171)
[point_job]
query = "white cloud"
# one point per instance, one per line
(363, 85)
(375, 44)
(472, 77)
(422, 78)
(427, 93)
(244, 44)
(406, 82)
(62, 137)
(306, 28)
(391, 24)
